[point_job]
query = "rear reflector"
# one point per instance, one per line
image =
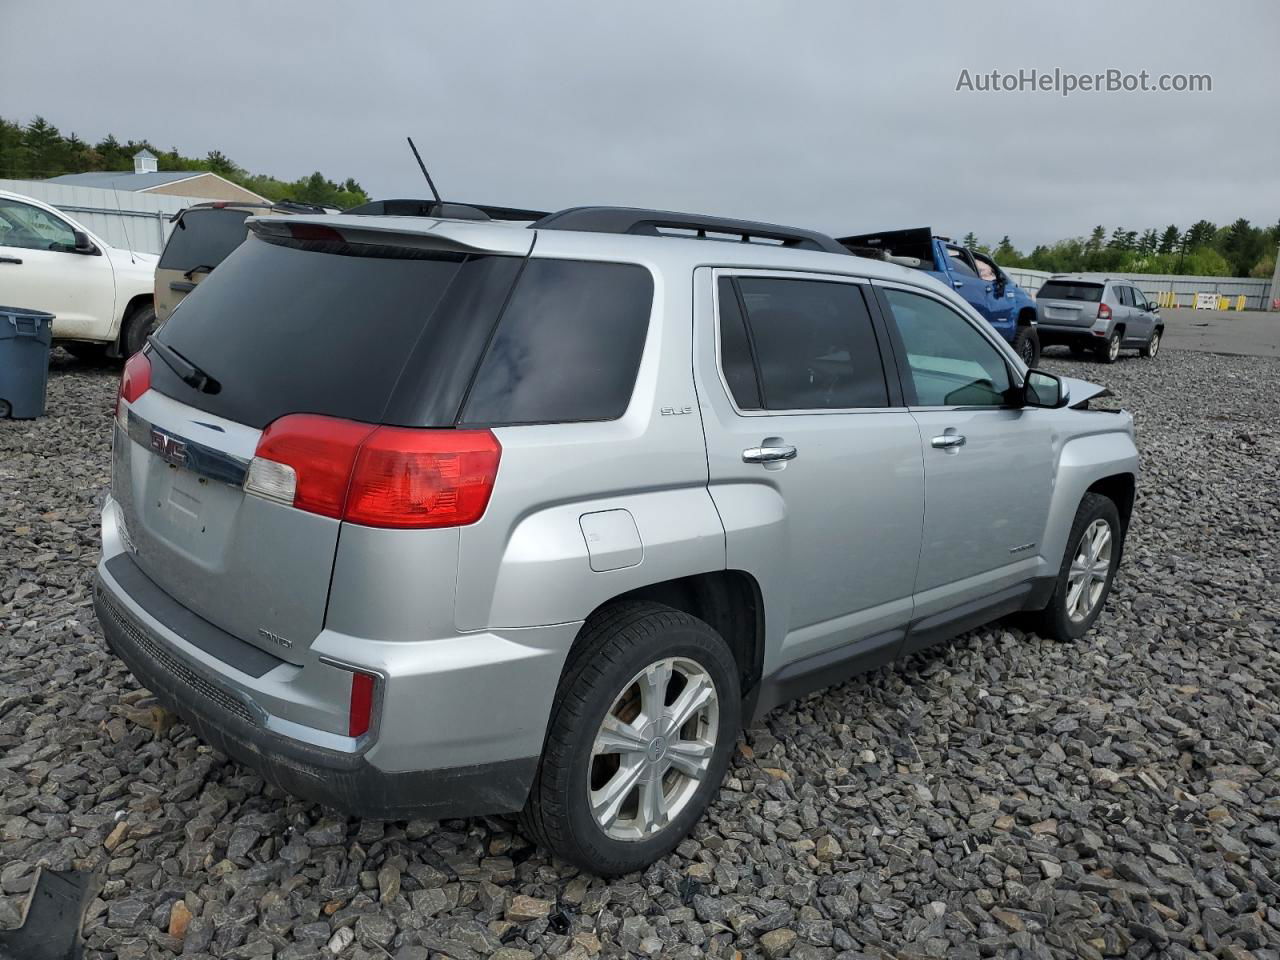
(398, 477)
(360, 713)
(134, 382)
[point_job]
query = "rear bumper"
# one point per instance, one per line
(345, 781)
(1055, 333)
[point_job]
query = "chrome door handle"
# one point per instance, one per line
(948, 440)
(957, 284)
(768, 454)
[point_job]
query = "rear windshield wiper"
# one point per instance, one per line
(187, 371)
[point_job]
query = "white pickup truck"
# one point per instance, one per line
(101, 296)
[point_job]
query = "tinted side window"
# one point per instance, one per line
(960, 262)
(203, 238)
(814, 343)
(1139, 299)
(951, 364)
(735, 349)
(1122, 295)
(568, 346)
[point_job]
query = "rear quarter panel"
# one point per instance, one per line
(526, 562)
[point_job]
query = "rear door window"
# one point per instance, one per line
(814, 345)
(1124, 295)
(203, 238)
(1066, 290)
(568, 346)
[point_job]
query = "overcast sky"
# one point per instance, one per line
(842, 116)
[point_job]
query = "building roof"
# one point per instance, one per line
(125, 179)
(144, 154)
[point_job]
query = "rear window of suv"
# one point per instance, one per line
(1060, 290)
(395, 335)
(204, 238)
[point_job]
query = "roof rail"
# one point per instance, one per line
(432, 208)
(636, 220)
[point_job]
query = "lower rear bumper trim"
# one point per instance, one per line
(346, 782)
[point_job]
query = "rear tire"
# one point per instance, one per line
(1153, 345)
(1071, 612)
(1109, 350)
(1026, 344)
(137, 327)
(612, 793)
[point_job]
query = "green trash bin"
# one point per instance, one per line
(25, 337)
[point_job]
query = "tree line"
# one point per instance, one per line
(39, 150)
(1203, 249)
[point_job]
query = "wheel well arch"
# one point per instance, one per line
(729, 601)
(1120, 489)
(1026, 316)
(137, 302)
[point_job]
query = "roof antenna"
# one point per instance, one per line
(417, 156)
(115, 192)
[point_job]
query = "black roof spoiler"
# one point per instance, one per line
(408, 207)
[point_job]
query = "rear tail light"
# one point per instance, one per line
(399, 477)
(1104, 312)
(360, 711)
(134, 382)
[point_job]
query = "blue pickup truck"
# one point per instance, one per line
(974, 276)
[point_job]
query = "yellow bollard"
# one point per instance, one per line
(1240, 302)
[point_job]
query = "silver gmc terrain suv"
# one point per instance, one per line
(437, 517)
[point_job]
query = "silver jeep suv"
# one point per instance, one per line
(437, 517)
(1098, 314)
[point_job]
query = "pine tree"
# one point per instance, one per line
(1096, 239)
(1147, 245)
(1119, 239)
(970, 240)
(1169, 239)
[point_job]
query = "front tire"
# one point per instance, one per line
(1026, 344)
(137, 327)
(1088, 569)
(645, 719)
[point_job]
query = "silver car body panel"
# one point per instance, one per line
(469, 628)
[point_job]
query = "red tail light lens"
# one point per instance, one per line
(398, 477)
(320, 451)
(423, 478)
(360, 713)
(134, 382)
(1104, 312)
(136, 379)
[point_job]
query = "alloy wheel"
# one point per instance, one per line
(1087, 577)
(1113, 348)
(653, 749)
(1154, 346)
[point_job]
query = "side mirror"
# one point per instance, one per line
(83, 244)
(1042, 389)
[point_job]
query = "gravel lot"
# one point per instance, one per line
(998, 796)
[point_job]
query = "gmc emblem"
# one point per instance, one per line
(171, 449)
